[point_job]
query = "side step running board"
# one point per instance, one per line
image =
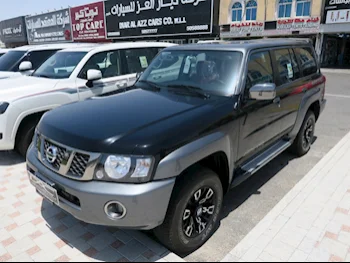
(260, 161)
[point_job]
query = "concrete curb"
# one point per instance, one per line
(335, 71)
(268, 228)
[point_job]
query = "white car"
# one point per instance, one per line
(70, 75)
(24, 60)
(3, 51)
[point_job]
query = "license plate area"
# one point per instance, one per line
(47, 191)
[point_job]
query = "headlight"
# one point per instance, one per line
(3, 107)
(125, 169)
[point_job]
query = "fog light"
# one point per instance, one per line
(115, 210)
(99, 175)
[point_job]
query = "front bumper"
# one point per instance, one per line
(6, 142)
(146, 204)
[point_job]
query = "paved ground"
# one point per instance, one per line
(30, 228)
(250, 202)
(311, 223)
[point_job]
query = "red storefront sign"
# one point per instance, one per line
(88, 22)
(255, 28)
(299, 24)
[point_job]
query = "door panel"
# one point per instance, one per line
(261, 122)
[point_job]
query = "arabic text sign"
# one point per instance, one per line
(338, 16)
(299, 24)
(242, 29)
(88, 22)
(125, 18)
(13, 30)
(50, 27)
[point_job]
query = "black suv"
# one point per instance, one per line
(200, 120)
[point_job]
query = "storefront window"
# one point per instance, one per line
(237, 11)
(303, 7)
(285, 8)
(251, 10)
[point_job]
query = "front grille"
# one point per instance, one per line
(61, 154)
(79, 164)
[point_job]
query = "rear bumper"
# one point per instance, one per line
(323, 104)
(146, 204)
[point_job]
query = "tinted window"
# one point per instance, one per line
(108, 63)
(259, 69)
(286, 66)
(8, 62)
(307, 61)
(137, 60)
(60, 65)
(38, 57)
(1, 55)
(212, 71)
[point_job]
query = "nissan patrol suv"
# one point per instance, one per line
(199, 121)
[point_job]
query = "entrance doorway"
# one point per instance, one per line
(336, 51)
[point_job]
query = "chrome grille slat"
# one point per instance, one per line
(79, 164)
(60, 155)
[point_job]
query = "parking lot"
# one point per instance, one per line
(33, 230)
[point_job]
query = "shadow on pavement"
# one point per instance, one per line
(100, 243)
(9, 158)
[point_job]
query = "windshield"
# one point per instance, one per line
(9, 60)
(60, 65)
(214, 72)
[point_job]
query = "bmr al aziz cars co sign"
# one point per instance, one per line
(88, 22)
(50, 27)
(130, 19)
(337, 11)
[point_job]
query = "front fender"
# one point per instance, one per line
(181, 159)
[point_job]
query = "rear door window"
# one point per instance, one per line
(308, 62)
(287, 66)
(259, 69)
(138, 59)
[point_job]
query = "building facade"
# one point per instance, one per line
(270, 18)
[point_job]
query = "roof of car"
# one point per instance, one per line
(120, 45)
(245, 45)
(53, 46)
(3, 50)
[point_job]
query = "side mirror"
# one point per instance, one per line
(25, 66)
(266, 91)
(93, 75)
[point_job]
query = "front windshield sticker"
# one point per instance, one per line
(187, 65)
(290, 71)
(144, 62)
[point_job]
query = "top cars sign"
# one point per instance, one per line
(50, 27)
(13, 30)
(88, 22)
(131, 19)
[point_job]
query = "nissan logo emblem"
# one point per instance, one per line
(51, 154)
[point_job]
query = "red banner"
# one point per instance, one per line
(88, 22)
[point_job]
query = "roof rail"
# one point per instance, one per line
(290, 39)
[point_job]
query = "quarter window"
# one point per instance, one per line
(237, 12)
(251, 10)
(307, 61)
(303, 7)
(285, 8)
(259, 69)
(286, 66)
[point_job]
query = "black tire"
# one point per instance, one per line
(304, 140)
(25, 136)
(172, 233)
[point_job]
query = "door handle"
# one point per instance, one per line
(277, 101)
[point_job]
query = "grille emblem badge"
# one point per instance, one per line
(51, 154)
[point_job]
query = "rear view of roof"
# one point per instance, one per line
(119, 45)
(246, 44)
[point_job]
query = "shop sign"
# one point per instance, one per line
(51, 27)
(310, 24)
(13, 30)
(244, 28)
(337, 11)
(88, 22)
(137, 19)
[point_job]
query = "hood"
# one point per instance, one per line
(6, 75)
(12, 89)
(121, 123)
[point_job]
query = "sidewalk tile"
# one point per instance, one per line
(319, 255)
(280, 250)
(22, 258)
(230, 258)
(334, 247)
(266, 257)
(252, 254)
(307, 245)
(336, 259)
(132, 250)
(298, 256)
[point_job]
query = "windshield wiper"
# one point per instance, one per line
(42, 76)
(152, 84)
(192, 89)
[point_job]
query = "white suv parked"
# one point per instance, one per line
(24, 60)
(3, 51)
(70, 75)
